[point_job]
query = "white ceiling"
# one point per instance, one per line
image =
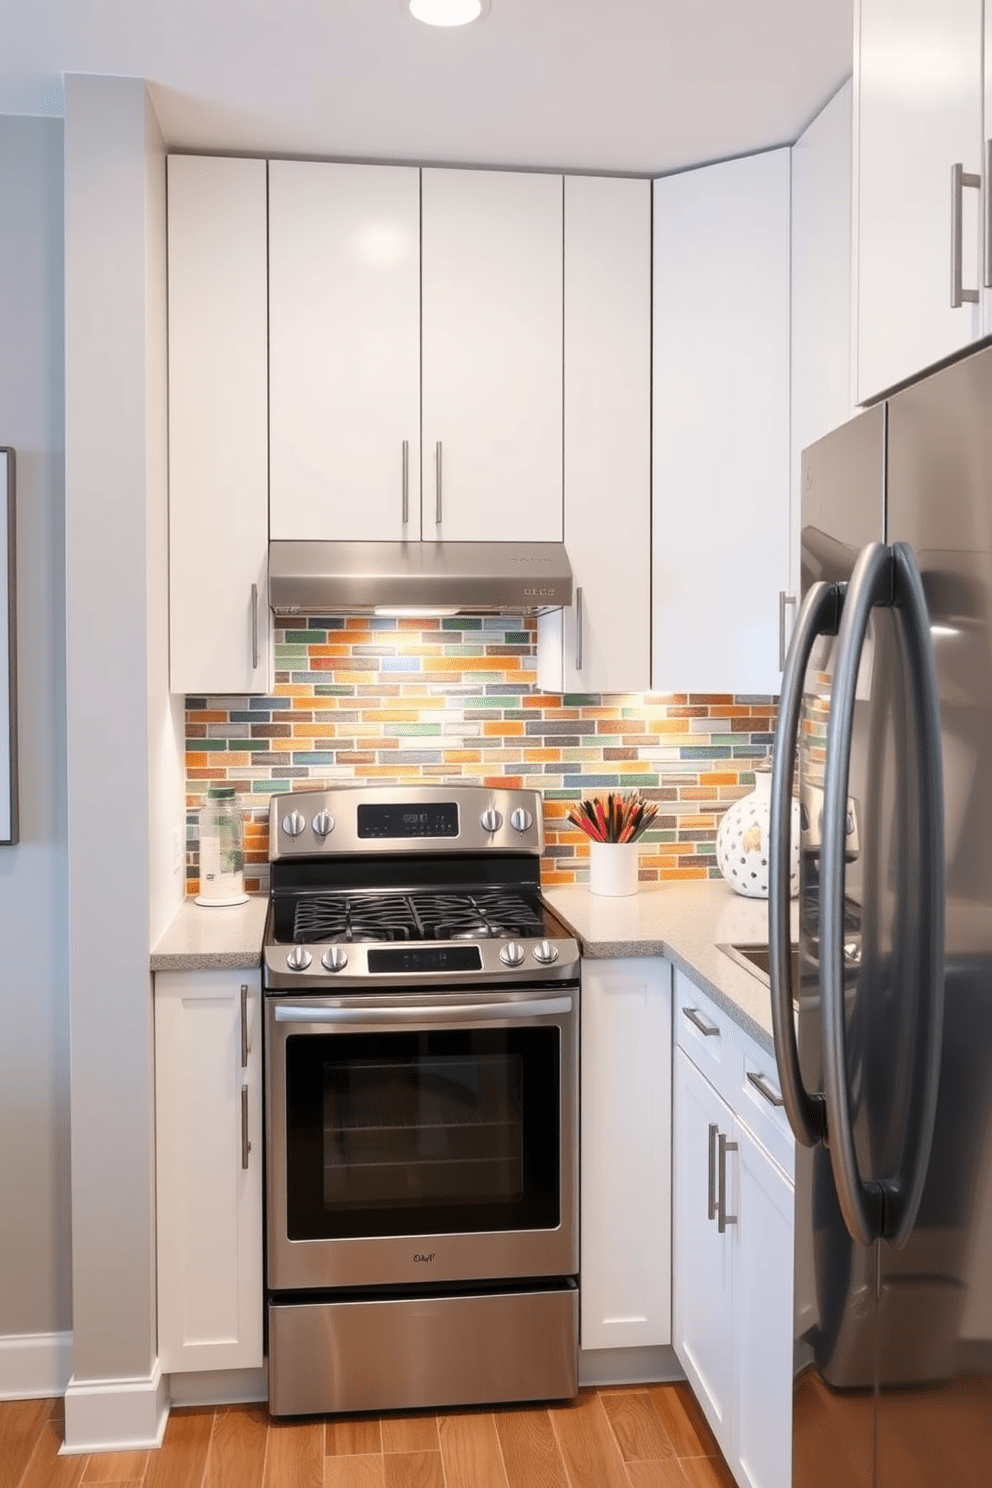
(643, 86)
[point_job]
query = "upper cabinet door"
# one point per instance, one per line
(607, 631)
(344, 349)
(918, 92)
(721, 425)
(218, 418)
(492, 356)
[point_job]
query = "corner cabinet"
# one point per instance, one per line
(218, 426)
(602, 642)
(208, 1123)
(626, 1122)
(922, 107)
(721, 544)
(732, 1238)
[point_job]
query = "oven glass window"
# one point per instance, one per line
(411, 1133)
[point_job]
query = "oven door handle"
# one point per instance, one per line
(493, 1012)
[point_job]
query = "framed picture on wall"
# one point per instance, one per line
(8, 669)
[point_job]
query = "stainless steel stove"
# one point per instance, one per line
(421, 1057)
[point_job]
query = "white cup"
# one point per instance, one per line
(613, 868)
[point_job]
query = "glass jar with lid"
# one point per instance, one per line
(222, 851)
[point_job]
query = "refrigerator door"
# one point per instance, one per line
(835, 1312)
(935, 1294)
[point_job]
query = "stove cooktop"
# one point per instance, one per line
(484, 914)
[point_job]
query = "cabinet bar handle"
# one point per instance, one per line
(988, 214)
(711, 1175)
(761, 1085)
(723, 1219)
(244, 1025)
(578, 629)
(960, 178)
(783, 601)
(245, 1144)
(706, 1029)
(438, 500)
(406, 481)
(254, 627)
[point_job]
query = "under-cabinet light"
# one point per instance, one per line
(416, 612)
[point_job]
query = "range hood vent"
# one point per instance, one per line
(418, 578)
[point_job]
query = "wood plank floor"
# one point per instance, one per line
(641, 1436)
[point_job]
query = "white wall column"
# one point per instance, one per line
(115, 502)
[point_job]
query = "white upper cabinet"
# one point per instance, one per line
(344, 349)
(821, 288)
(218, 421)
(919, 105)
(492, 356)
(721, 426)
(602, 643)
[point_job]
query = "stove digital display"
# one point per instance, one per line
(401, 820)
(405, 959)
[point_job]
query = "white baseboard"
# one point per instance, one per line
(629, 1366)
(116, 1415)
(34, 1366)
(219, 1386)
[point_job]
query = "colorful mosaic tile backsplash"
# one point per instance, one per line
(382, 701)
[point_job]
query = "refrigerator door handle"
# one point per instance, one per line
(904, 1195)
(818, 615)
(861, 1200)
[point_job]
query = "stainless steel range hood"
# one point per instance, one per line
(416, 578)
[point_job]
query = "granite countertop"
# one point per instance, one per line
(685, 922)
(223, 937)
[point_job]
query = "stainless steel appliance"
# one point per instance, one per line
(421, 1078)
(885, 1043)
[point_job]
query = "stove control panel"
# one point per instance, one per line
(352, 820)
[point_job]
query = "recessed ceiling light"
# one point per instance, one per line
(447, 12)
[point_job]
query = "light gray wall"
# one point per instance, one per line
(34, 1008)
(115, 503)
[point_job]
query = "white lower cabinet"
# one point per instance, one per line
(626, 1153)
(732, 1227)
(208, 1098)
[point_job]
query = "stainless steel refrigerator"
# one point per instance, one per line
(883, 1014)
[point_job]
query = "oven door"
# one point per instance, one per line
(421, 1139)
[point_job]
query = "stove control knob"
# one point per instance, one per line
(545, 953)
(491, 820)
(335, 958)
(521, 820)
(299, 958)
(512, 953)
(323, 824)
(294, 823)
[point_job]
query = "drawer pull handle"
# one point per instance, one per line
(244, 1025)
(698, 1021)
(761, 1085)
(245, 1143)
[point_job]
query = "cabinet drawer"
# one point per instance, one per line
(758, 1104)
(709, 1037)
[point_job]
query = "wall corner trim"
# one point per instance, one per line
(116, 1415)
(34, 1366)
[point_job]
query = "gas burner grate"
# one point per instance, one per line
(488, 914)
(354, 917)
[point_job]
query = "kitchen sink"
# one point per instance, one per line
(755, 958)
